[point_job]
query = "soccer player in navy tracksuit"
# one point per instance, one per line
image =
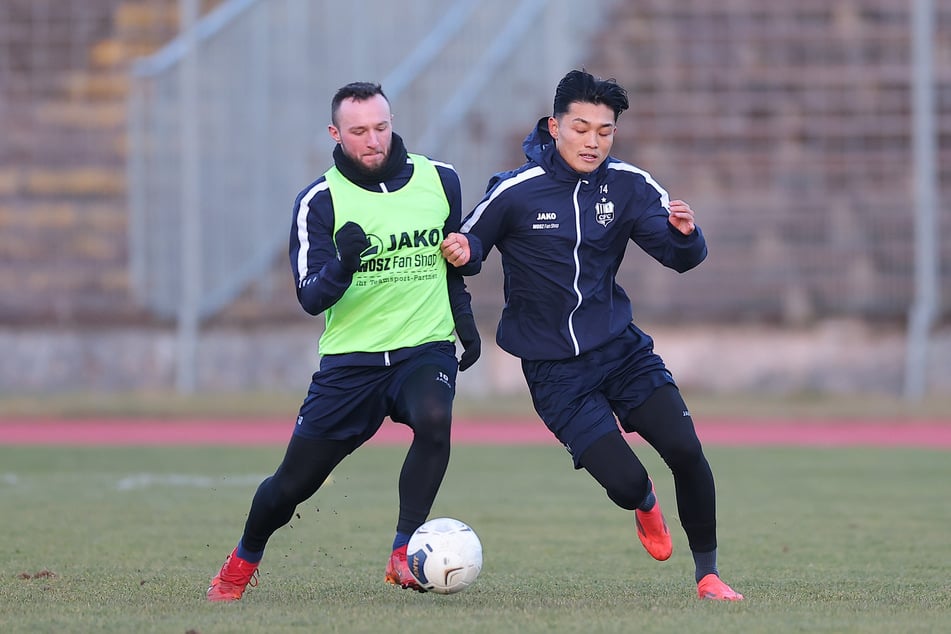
(562, 222)
(365, 251)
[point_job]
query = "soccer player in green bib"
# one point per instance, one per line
(365, 252)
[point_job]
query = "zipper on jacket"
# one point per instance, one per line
(574, 255)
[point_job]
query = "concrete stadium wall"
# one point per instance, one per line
(843, 356)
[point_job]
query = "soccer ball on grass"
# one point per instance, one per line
(444, 555)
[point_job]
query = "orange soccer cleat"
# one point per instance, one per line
(653, 533)
(712, 587)
(397, 571)
(234, 577)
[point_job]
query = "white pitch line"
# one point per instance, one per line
(148, 480)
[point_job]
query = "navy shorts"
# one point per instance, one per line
(351, 402)
(580, 399)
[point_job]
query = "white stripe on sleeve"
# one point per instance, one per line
(302, 234)
(521, 177)
(627, 167)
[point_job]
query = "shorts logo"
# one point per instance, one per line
(300, 420)
(604, 212)
(442, 377)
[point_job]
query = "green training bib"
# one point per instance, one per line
(398, 297)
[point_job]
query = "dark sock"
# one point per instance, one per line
(248, 555)
(706, 564)
(648, 502)
(401, 539)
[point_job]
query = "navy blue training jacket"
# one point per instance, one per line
(562, 236)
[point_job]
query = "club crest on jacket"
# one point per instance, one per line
(604, 212)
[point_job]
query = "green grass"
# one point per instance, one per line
(819, 541)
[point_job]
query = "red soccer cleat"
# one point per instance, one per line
(397, 571)
(712, 587)
(653, 533)
(234, 577)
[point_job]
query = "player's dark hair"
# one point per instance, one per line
(580, 86)
(358, 91)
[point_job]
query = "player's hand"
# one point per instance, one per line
(351, 242)
(470, 340)
(681, 217)
(455, 248)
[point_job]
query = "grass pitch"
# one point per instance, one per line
(126, 539)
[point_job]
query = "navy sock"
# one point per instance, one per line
(706, 564)
(648, 502)
(401, 539)
(248, 555)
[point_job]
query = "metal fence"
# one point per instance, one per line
(229, 121)
(252, 130)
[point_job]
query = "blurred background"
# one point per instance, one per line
(151, 151)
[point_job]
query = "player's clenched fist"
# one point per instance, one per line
(351, 242)
(455, 248)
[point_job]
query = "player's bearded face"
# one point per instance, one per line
(364, 131)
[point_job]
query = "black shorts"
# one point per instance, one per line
(581, 398)
(351, 402)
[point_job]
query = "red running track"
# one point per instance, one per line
(925, 434)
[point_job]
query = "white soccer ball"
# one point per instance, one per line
(444, 555)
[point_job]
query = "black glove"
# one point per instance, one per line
(469, 338)
(351, 242)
